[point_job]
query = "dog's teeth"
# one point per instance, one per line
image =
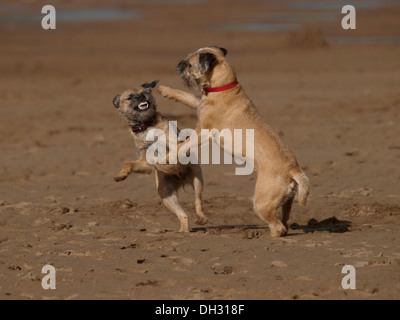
(143, 105)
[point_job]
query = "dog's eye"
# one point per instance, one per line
(190, 65)
(130, 97)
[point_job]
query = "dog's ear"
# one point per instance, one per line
(224, 51)
(181, 66)
(151, 85)
(207, 61)
(116, 100)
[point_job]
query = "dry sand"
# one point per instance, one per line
(336, 103)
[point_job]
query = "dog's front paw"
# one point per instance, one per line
(164, 91)
(120, 177)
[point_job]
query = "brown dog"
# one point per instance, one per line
(138, 108)
(225, 105)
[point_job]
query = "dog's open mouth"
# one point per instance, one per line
(143, 105)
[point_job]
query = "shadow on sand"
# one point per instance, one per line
(242, 227)
(331, 224)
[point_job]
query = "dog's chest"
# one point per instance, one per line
(141, 140)
(160, 134)
(210, 115)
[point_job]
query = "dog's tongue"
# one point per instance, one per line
(143, 105)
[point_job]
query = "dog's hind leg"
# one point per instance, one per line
(167, 188)
(267, 199)
(286, 207)
(198, 189)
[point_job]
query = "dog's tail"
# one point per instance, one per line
(303, 183)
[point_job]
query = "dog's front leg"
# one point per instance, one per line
(138, 166)
(195, 140)
(181, 96)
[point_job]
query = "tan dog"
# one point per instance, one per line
(225, 105)
(138, 108)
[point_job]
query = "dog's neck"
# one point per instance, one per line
(207, 90)
(140, 127)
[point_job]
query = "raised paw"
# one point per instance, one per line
(125, 172)
(120, 177)
(164, 91)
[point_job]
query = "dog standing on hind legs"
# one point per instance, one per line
(138, 109)
(225, 105)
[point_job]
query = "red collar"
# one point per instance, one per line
(142, 127)
(233, 84)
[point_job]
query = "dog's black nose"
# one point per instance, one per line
(181, 66)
